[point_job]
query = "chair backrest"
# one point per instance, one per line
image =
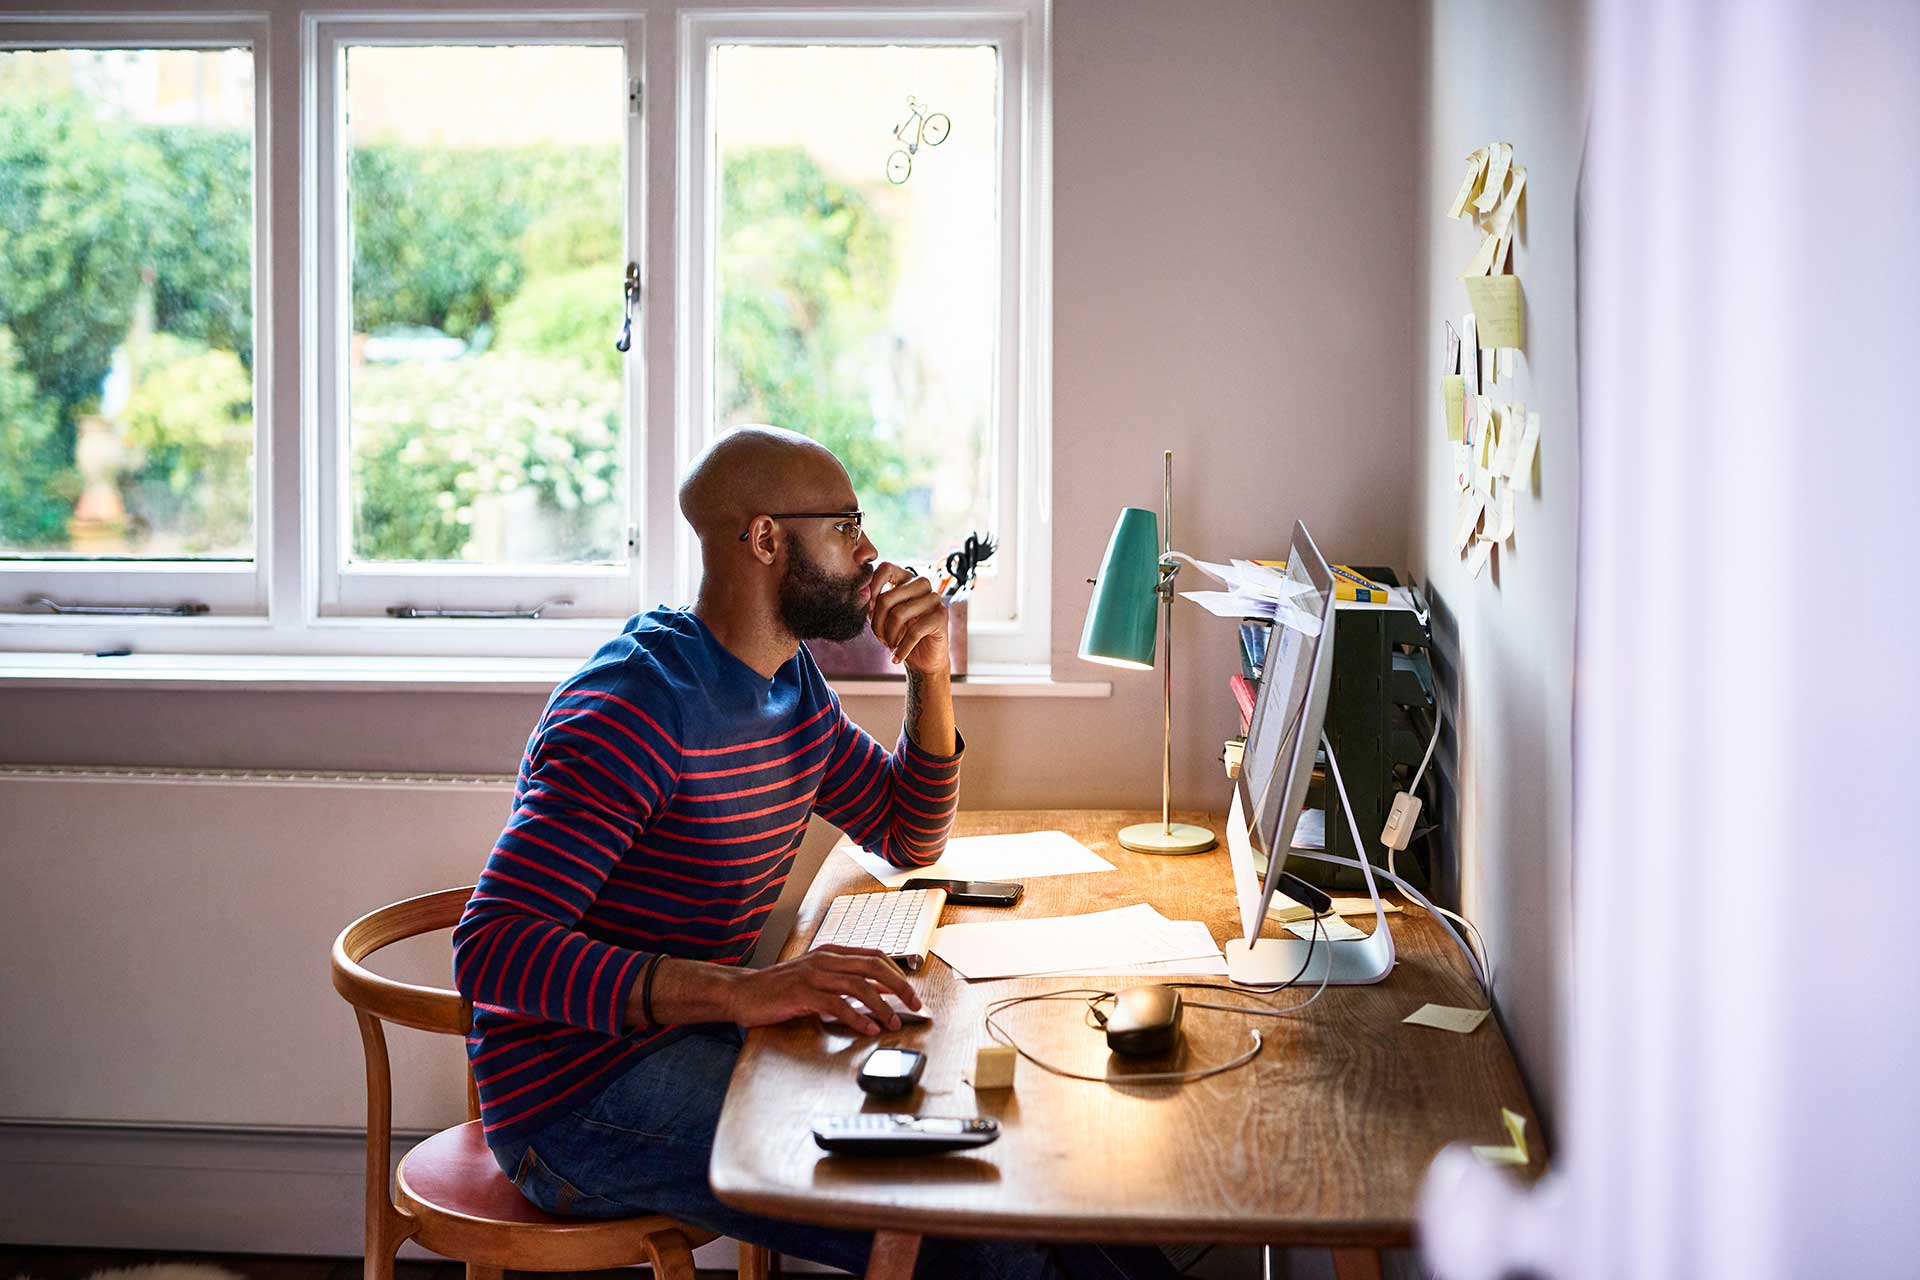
(405, 1003)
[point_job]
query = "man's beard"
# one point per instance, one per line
(814, 605)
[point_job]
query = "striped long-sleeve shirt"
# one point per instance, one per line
(658, 809)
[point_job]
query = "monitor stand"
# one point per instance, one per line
(1269, 962)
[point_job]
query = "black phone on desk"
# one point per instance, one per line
(972, 893)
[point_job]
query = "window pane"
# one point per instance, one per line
(487, 419)
(126, 304)
(859, 271)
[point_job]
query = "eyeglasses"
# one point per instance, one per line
(848, 528)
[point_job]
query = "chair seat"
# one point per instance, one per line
(464, 1206)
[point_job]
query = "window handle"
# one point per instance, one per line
(408, 611)
(185, 609)
(631, 294)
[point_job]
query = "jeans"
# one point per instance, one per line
(643, 1146)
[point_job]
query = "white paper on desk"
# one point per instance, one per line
(1027, 855)
(1332, 929)
(1098, 941)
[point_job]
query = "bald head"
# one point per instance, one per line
(759, 470)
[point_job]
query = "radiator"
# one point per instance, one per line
(165, 938)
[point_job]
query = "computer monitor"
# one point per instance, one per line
(1276, 767)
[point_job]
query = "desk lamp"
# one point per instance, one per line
(1136, 576)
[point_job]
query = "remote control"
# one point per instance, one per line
(891, 1134)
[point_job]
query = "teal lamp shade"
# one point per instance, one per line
(1121, 619)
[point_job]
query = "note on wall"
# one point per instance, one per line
(1453, 388)
(1529, 445)
(1497, 309)
(1497, 165)
(1470, 185)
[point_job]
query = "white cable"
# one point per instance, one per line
(1367, 869)
(1413, 789)
(1434, 741)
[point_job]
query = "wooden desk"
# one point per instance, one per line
(1321, 1140)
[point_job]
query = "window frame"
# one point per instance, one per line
(232, 588)
(1022, 443)
(284, 608)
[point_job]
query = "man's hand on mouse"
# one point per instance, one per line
(844, 983)
(909, 617)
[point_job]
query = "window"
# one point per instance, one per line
(845, 213)
(129, 451)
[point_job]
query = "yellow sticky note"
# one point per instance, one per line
(1510, 202)
(1447, 1018)
(1497, 309)
(1454, 388)
(1497, 165)
(1470, 185)
(1529, 446)
(1502, 255)
(1481, 264)
(1515, 1152)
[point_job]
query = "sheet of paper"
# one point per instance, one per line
(1510, 202)
(1470, 353)
(1470, 185)
(1310, 829)
(1182, 936)
(1478, 557)
(1266, 580)
(1524, 455)
(1096, 941)
(1506, 362)
(1332, 929)
(1451, 364)
(1471, 507)
(1497, 309)
(1515, 1152)
(1482, 261)
(1453, 392)
(1499, 161)
(1027, 855)
(1447, 1017)
(1509, 446)
(1462, 466)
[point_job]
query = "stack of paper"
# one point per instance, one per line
(1255, 591)
(1099, 942)
(1027, 855)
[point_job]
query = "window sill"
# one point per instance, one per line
(327, 673)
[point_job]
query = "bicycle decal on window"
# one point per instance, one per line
(930, 130)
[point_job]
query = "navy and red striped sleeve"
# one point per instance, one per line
(897, 805)
(597, 771)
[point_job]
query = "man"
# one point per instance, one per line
(658, 810)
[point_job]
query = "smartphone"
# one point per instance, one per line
(890, 1072)
(972, 893)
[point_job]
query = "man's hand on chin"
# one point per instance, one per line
(910, 619)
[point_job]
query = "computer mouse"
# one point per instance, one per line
(1145, 1021)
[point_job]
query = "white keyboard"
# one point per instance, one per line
(899, 923)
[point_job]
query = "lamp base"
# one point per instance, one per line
(1154, 837)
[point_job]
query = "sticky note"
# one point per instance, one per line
(1447, 1017)
(1332, 929)
(1482, 260)
(993, 1067)
(1502, 520)
(1506, 361)
(1502, 254)
(1498, 162)
(1515, 1152)
(1522, 471)
(1510, 203)
(1478, 557)
(1497, 308)
(1471, 505)
(1509, 445)
(1484, 414)
(1462, 466)
(1470, 352)
(1470, 185)
(1453, 388)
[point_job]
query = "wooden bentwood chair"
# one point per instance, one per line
(448, 1194)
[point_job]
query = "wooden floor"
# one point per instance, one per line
(22, 1262)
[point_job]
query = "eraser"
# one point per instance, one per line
(993, 1067)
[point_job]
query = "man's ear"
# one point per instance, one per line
(762, 539)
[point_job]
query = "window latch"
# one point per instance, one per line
(185, 609)
(408, 611)
(631, 293)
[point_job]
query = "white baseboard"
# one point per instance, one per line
(202, 1191)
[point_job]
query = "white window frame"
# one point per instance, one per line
(231, 588)
(336, 588)
(280, 604)
(1022, 446)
